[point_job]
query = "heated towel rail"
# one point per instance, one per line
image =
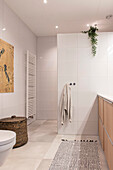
(30, 85)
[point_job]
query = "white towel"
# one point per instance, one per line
(66, 104)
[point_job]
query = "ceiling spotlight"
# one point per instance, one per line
(109, 16)
(4, 29)
(87, 25)
(45, 1)
(56, 27)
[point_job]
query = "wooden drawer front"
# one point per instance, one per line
(101, 108)
(108, 118)
(101, 135)
(108, 150)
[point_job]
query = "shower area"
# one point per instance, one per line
(68, 59)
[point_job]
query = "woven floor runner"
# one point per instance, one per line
(77, 155)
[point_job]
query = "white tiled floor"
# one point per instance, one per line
(43, 143)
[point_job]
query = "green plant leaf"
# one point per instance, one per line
(92, 35)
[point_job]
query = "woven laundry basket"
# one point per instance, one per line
(19, 126)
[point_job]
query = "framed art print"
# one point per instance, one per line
(6, 67)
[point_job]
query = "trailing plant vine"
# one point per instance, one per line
(93, 36)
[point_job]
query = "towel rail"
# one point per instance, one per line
(30, 85)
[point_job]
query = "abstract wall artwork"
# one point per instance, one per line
(6, 67)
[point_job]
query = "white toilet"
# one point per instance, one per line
(7, 141)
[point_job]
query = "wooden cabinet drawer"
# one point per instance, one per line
(108, 118)
(106, 129)
(101, 108)
(101, 133)
(108, 150)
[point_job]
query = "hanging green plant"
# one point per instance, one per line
(93, 36)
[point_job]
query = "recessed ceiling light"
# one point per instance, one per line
(45, 1)
(109, 16)
(56, 27)
(87, 25)
(4, 29)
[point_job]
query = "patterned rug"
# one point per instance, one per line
(77, 155)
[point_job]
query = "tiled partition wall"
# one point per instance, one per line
(19, 35)
(47, 77)
(92, 75)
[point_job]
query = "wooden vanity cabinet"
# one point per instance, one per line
(101, 109)
(105, 123)
(101, 133)
(108, 117)
(108, 150)
(101, 121)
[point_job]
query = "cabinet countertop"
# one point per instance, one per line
(107, 97)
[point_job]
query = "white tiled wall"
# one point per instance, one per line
(17, 34)
(91, 74)
(110, 63)
(47, 78)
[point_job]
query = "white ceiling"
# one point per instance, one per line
(69, 15)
